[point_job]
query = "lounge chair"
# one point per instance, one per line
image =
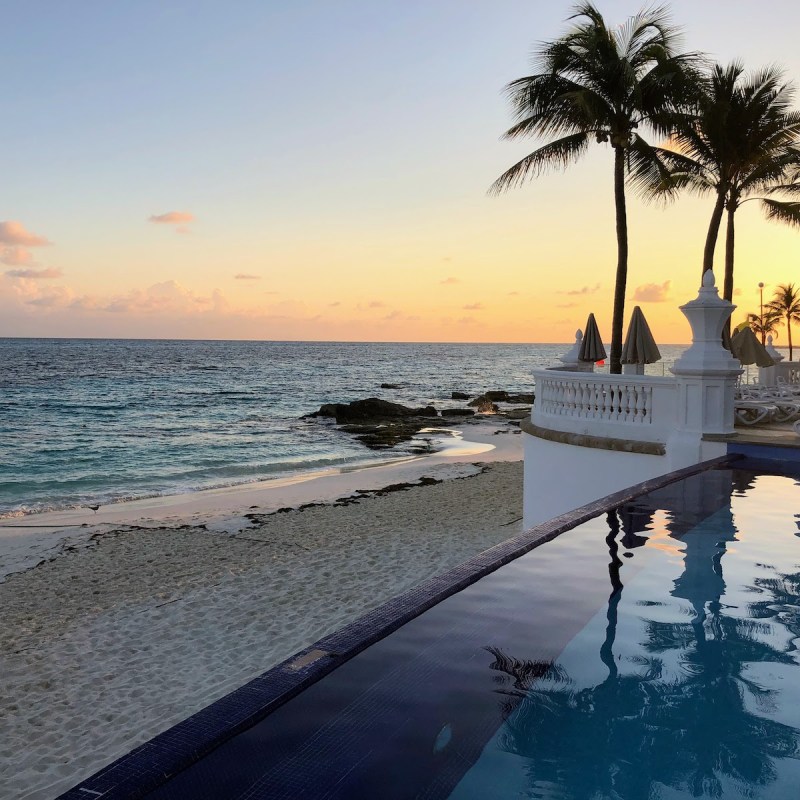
(751, 412)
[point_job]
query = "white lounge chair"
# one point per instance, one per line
(751, 412)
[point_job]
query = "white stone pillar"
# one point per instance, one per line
(570, 359)
(706, 376)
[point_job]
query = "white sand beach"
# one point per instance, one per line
(115, 631)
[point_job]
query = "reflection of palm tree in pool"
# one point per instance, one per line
(606, 651)
(616, 738)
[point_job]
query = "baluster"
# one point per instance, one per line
(625, 404)
(640, 404)
(647, 404)
(607, 401)
(586, 399)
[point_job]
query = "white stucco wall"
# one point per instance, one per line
(562, 477)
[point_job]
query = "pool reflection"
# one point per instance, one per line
(689, 698)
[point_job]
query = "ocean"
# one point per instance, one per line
(99, 421)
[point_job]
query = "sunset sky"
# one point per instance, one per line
(319, 169)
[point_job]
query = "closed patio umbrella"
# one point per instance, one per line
(640, 346)
(592, 345)
(746, 347)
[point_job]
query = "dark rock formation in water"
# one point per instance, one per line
(483, 405)
(459, 396)
(501, 396)
(378, 423)
(371, 409)
(381, 424)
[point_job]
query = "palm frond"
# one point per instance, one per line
(551, 105)
(559, 153)
(785, 212)
(649, 174)
(790, 187)
(786, 302)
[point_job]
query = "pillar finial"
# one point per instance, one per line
(707, 315)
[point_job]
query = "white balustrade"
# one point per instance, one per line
(636, 407)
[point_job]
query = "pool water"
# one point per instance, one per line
(648, 653)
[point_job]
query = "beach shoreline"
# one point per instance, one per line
(155, 609)
(29, 540)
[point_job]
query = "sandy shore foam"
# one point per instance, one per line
(157, 608)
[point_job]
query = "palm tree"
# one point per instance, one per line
(742, 140)
(765, 323)
(786, 304)
(603, 83)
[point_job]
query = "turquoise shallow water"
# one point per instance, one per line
(86, 420)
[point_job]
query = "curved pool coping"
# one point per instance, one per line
(154, 763)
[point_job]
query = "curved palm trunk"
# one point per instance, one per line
(622, 260)
(789, 332)
(713, 232)
(730, 241)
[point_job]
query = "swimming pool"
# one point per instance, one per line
(650, 652)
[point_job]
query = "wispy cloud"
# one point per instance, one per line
(451, 281)
(566, 305)
(55, 297)
(394, 315)
(35, 274)
(377, 304)
(652, 292)
(179, 220)
(172, 218)
(14, 233)
(583, 290)
(513, 294)
(244, 276)
(473, 307)
(165, 297)
(335, 304)
(16, 256)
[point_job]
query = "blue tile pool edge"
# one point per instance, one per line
(152, 764)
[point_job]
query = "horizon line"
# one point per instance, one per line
(290, 341)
